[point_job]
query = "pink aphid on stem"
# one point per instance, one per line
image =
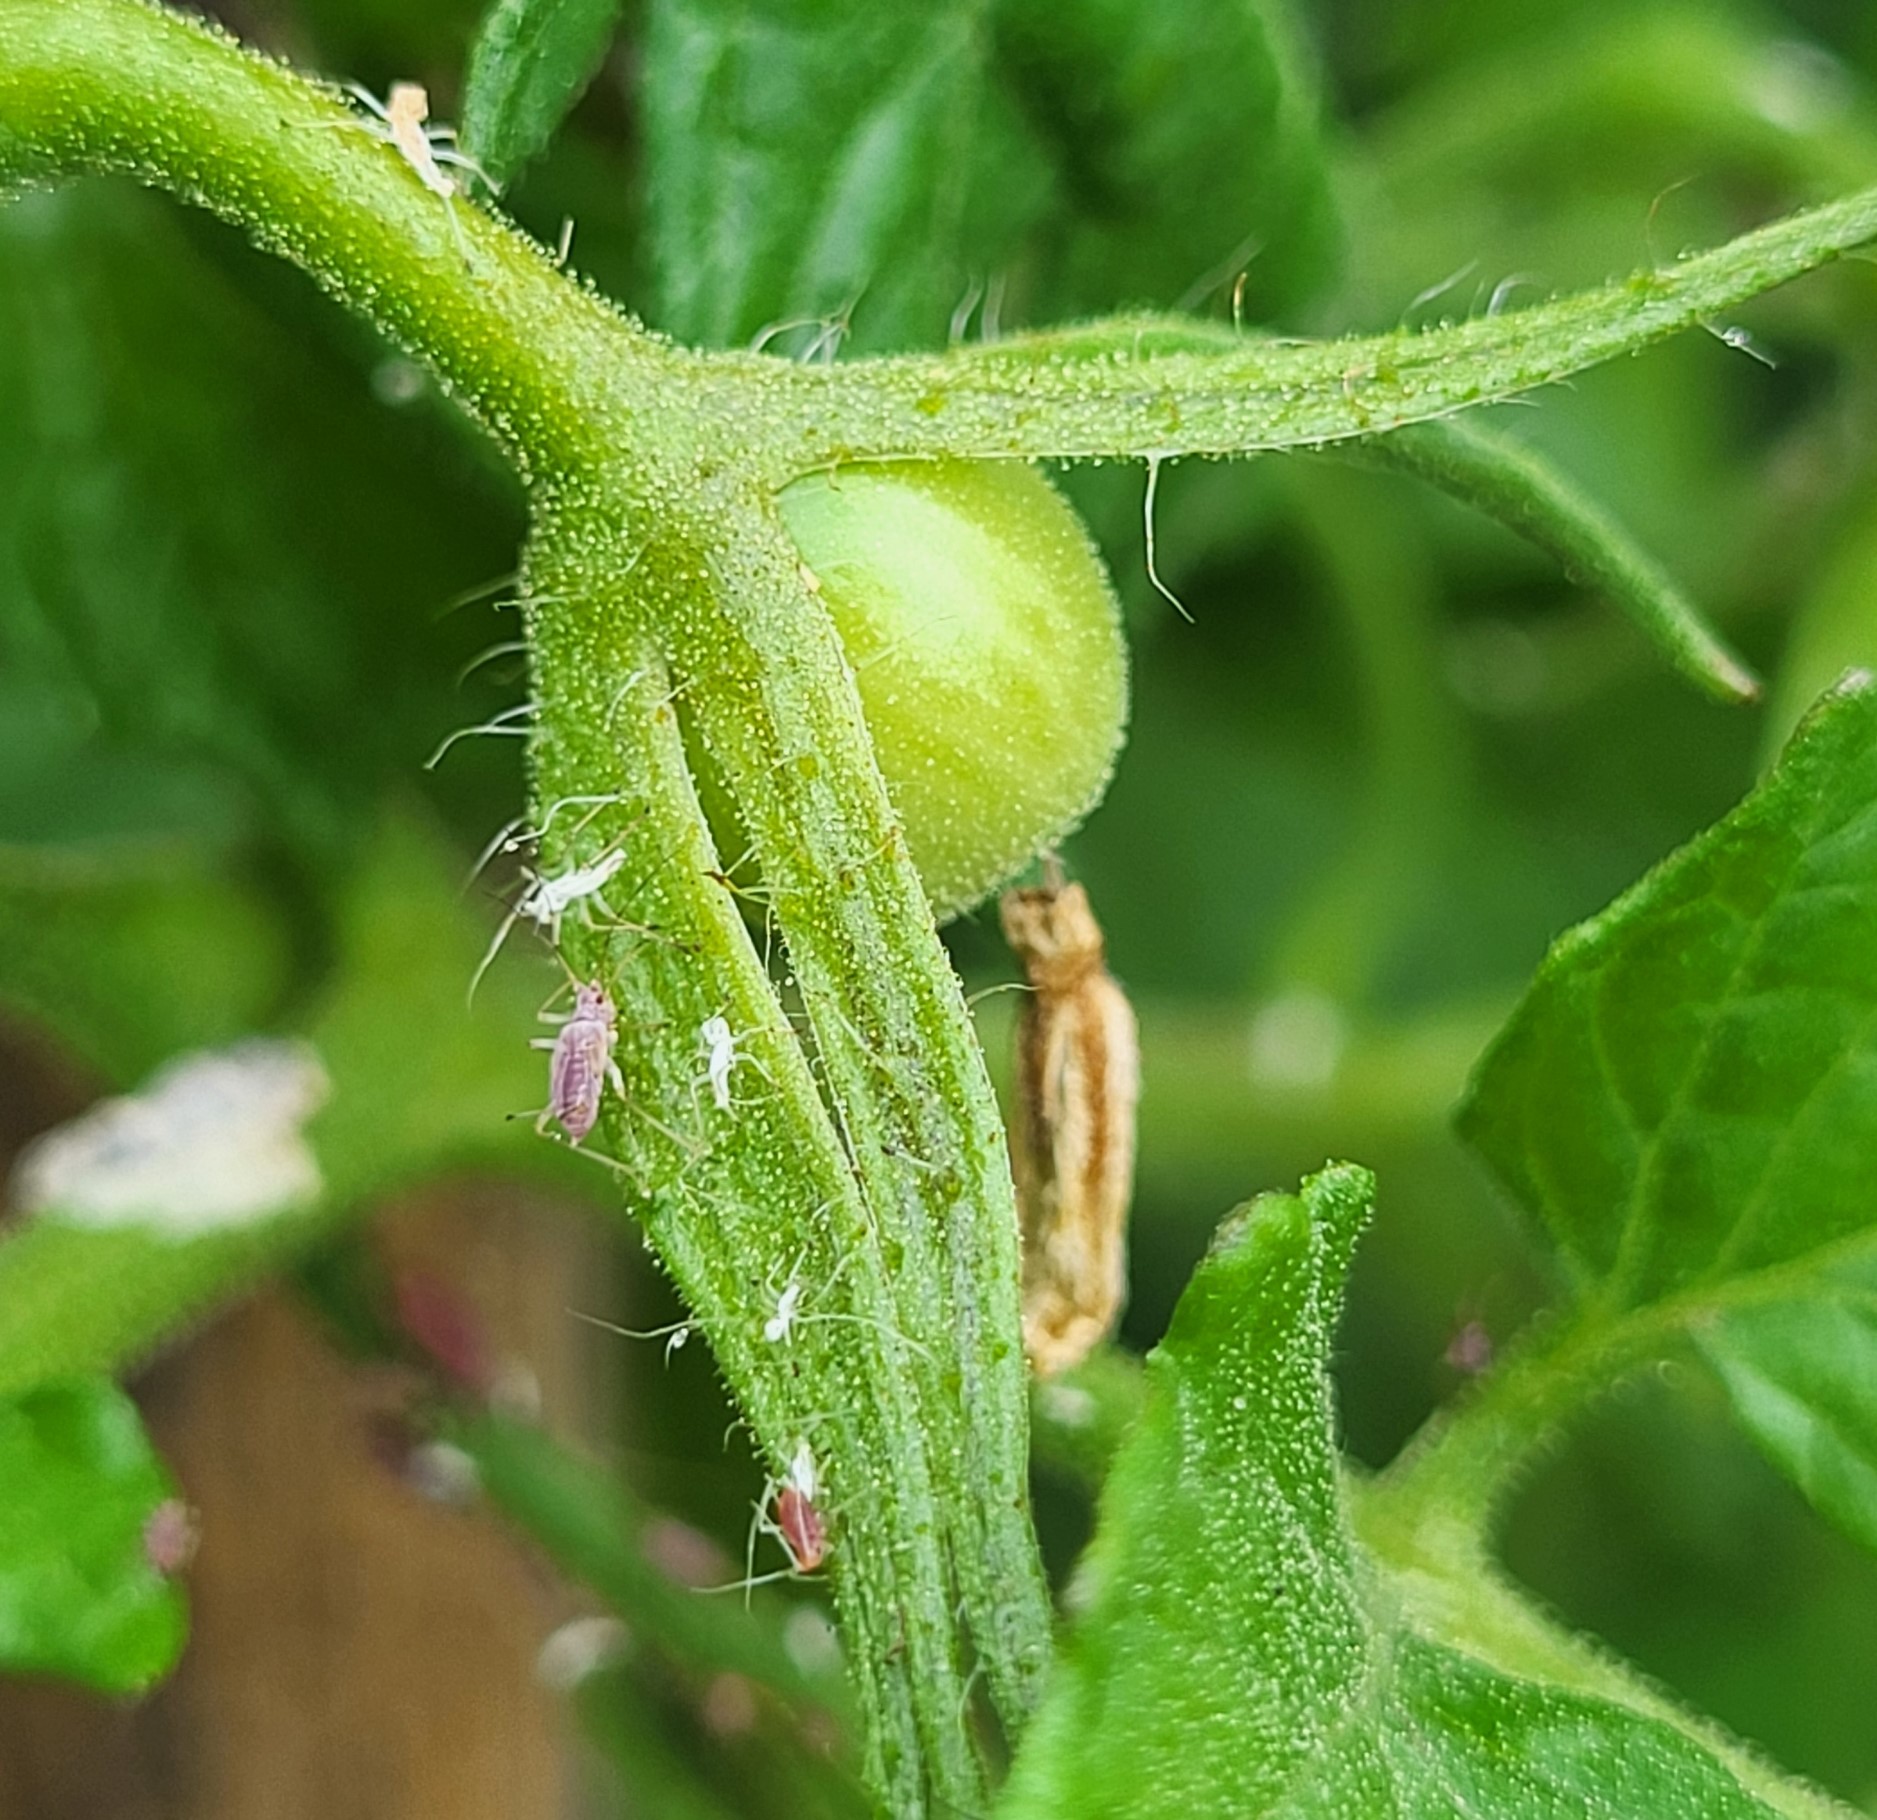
(799, 1523)
(581, 1064)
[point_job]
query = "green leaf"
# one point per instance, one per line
(1688, 1092)
(1237, 1652)
(130, 950)
(1187, 138)
(1515, 485)
(80, 1596)
(807, 159)
(1802, 1374)
(532, 61)
(210, 540)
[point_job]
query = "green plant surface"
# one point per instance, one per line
(79, 1594)
(854, 1149)
(1679, 1102)
(994, 679)
(1682, 1097)
(1234, 1649)
(532, 59)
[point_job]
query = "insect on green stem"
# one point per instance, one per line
(864, 1163)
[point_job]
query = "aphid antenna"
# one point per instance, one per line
(675, 1333)
(896, 1334)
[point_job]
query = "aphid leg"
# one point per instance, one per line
(366, 99)
(443, 150)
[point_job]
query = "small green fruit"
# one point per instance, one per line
(986, 644)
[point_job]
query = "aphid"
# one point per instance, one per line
(546, 899)
(721, 1055)
(1072, 1138)
(799, 1523)
(405, 113)
(781, 1324)
(549, 897)
(582, 1063)
(171, 1534)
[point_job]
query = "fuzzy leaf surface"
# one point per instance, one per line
(808, 158)
(1688, 1092)
(1186, 140)
(532, 61)
(79, 1595)
(1686, 1100)
(1237, 1652)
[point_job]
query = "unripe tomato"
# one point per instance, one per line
(986, 644)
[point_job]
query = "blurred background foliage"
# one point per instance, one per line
(247, 556)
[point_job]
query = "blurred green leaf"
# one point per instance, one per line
(809, 163)
(532, 61)
(1685, 1095)
(592, 1526)
(220, 557)
(1835, 628)
(1235, 1651)
(417, 1083)
(1187, 138)
(80, 1596)
(1509, 482)
(129, 951)
(1802, 1374)
(809, 159)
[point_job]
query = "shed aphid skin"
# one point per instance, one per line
(404, 117)
(1077, 1080)
(581, 1066)
(781, 1324)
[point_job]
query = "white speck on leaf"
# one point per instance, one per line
(213, 1140)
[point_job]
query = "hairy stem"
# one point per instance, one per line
(741, 1201)
(1130, 389)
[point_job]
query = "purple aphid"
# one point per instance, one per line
(582, 1064)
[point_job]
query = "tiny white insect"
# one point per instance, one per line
(802, 1474)
(546, 899)
(404, 114)
(719, 1044)
(781, 1324)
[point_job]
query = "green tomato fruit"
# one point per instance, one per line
(986, 644)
